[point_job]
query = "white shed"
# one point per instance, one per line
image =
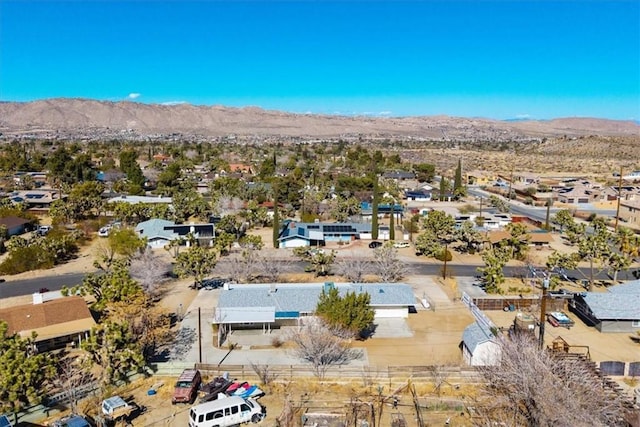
(479, 346)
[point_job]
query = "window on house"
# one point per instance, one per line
(635, 324)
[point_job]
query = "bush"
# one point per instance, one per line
(276, 342)
(441, 255)
(27, 258)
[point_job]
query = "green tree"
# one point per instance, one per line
(374, 206)
(113, 286)
(492, 274)
(251, 241)
(115, 350)
(321, 262)
(518, 240)
(197, 262)
(444, 187)
(126, 242)
(594, 247)
(129, 165)
(469, 238)
(425, 172)
(564, 219)
(276, 222)
(352, 313)
(458, 189)
(24, 374)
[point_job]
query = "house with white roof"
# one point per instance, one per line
(480, 346)
(141, 199)
(271, 305)
(617, 310)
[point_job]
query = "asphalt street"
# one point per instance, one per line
(13, 288)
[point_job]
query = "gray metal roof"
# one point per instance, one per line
(474, 335)
(613, 305)
(244, 315)
(626, 288)
(155, 228)
(303, 297)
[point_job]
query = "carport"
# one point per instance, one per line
(225, 317)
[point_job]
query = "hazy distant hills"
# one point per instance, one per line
(83, 117)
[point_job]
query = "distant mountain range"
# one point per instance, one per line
(67, 117)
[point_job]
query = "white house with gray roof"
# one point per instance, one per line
(299, 234)
(479, 346)
(617, 310)
(277, 304)
(160, 232)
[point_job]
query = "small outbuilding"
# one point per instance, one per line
(617, 310)
(480, 346)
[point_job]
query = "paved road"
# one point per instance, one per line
(54, 283)
(16, 288)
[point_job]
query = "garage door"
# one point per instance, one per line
(391, 312)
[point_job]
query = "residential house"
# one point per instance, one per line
(399, 175)
(617, 310)
(162, 158)
(480, 346)
(133, 200)
(241, 168)
(418, 195)
(160, 232)
(633, 176)
(630, 212)
(268, 306)
(36, 200)
(37, 178)
(15, 226)
(58, 321)
(489, 221)
(478, 177)
(299, 234)
(366, 210)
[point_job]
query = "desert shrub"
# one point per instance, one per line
(27, 258)
(276, 342)
(468, 208)
(440, 256)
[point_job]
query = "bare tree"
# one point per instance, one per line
(264, 372)
(74, 380)
(322, 347)
(149, 270)
(353, 269)
(387, 265)
(532, 387)
(272, 270)
(243, 268)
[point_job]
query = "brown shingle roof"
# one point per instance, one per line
(13, 221)
(28, 317)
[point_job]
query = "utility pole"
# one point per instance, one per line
(546, 222)
(199, 337)
(543, 311)
(510, 184)
(444, 268)
(615, 227)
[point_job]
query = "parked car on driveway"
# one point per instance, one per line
(398, 245)
(375, 244)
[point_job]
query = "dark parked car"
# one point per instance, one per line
(375, 244)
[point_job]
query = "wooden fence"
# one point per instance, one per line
(366, 373)
(500, 303)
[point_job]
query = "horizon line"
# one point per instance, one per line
(379, 115)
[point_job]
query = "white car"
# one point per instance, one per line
(401, 245)
(104, 231)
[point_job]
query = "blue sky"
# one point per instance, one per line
(499, 59)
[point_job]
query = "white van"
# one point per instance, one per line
(225, 412)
